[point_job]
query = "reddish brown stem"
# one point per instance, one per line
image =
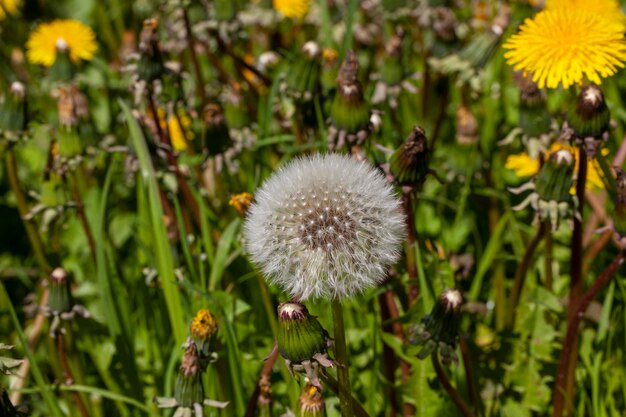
(453, 393)
(80, 211)
(571, 335)
(265, 373)
(191, 45)
(469, 372)
(67, 373)
(411, 241)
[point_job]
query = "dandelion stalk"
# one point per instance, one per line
(22, 205)
(341, 355)
(452, 392)
(67, 373)
(332, 383)
(570, 344)
(564, 386)
(522, 270)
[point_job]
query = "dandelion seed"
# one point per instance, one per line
(361, 227)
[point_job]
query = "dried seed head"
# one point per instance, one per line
(189, 390)
(409, 163)
(325, 226)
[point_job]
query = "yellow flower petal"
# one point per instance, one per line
(7, 7)
(295, 9)
(564, 46)
(43, 41)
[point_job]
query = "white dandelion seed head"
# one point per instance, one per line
(325, 226)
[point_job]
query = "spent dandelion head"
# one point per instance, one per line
(61, 36)
(325, 226)
(565, 46)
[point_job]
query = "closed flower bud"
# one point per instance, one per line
(590, 116)
(409, 163)
(151, 63)
(60, 299)
(13, 108)
(533, 115)
(392, 71)
(439, 330)
(555, 178)
(303, 78)
(311, 403)
(300, 336)
(349, 112)
(589, 119)
(216, 136)
(189, 389)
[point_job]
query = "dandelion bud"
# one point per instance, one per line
(466, 126)
(392, 71)
(349, 112)
(216, 136)
(439, 330)
(241, 202)
(303, 78)
(311, 403)
(60, 298)
(533, 115)
(325, 226)
(13, 116)
(189, 390)
(555, 178)
(203, 331)
(235, 111)
(151, 66)
(302, 340)
(589, 119)
(409, 163)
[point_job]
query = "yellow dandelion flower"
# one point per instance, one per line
(562, 46)
(608, 9)
(7, 7)
(295, 9)
(241, 202)
(203, 325)
(44, 42)
(179, 135)
(525, 166)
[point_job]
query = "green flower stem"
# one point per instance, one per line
(332, 383)
(22, 205)
(564, 386)
(411, 241)
(520, 274)
(453, 393)
(341, 355)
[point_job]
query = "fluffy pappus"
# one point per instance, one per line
(325, 226)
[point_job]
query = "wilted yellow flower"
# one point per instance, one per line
(525, 166)
(7, 7)
(241, 202)
(562, 46)
(203, 325)
(295, 9)
(609, 9)
(71, 35)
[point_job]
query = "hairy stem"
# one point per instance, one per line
(341, 355)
